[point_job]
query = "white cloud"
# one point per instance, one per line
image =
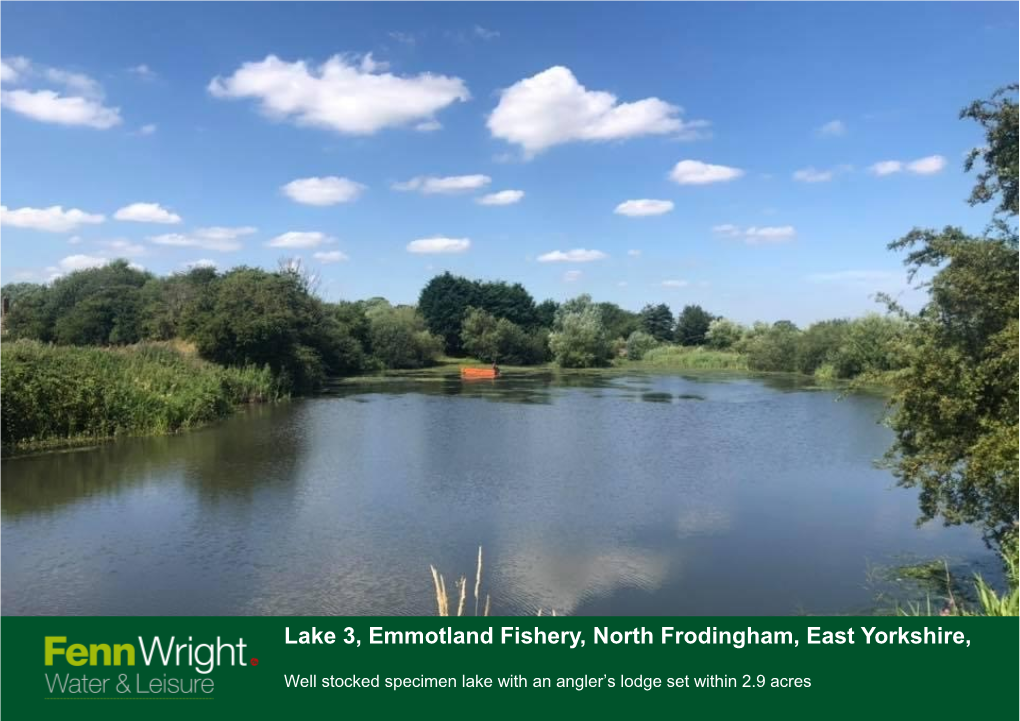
(927, 166)
(79, 102)
(143, 71)
(330, 256)
(431, 185)
(644, 207)
(833, 128)
(428, 126)
(922, 166)
(342, 94)
(148, 129)
(79, 262)
(675, 283)
(74, 240)
(48, 106)
(216, 238)
(503, 197)
(330, 190)
(484, 33)
(552, 107)
(404, 38)
(634, 253)
(299, 239)
(53, 219)
(439, 244)
(572, 276)
(577, 255)
(695, 172)
(200, 263)
(147, 213)
(755, 235)
(810, 175)
(121, 248)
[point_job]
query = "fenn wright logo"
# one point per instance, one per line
(192, 665)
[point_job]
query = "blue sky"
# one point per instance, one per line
(784, 145)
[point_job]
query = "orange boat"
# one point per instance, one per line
(478, 373)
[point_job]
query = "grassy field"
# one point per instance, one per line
(58, 395)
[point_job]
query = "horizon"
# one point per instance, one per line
(758, 177)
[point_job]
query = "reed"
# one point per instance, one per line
(443, 597)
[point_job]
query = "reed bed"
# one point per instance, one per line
(460, 589)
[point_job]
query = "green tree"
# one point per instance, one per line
(723, 334)
(619, 323)
(400, 338)
(639, 343)
(820, 343)
(954, 410)
(545, 313)
(657, 321)
(579, 338)
(692, 325)
(771, 348)
(443, 303)
(97, 306)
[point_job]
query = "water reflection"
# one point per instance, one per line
(601, 494)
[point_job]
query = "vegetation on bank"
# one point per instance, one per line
(56, 394)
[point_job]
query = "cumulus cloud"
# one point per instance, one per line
(695, 172)
(299, 239)
(330, 190)
(755, 235)
(431, 185)
(216, 238)
(79, 262)
(928, 165)
(147, 213)
(577, 255)
(675, 283)
(147, 129)
(503, 197)
(634, 253)
(833, 128)
(53, 219)
(485, 33)
(644, 207)
(552, 108)
(79, 101)
(439, 244)
(330, 256)
(572, 276)
(143, 71)
(346, 94)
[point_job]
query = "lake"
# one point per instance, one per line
(591, 494)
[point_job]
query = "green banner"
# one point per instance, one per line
(206, 667)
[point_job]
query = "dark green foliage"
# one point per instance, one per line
(54, 393)
(692, 325)
(771, 348)
(998, 177)
(493, 339)
(955, 404)
(400, 339)
(99, 306)
(619, 323)
(445, 300)
(545, 313)
(820, 343)
(657, 321)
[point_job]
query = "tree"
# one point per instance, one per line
(771, 348)
(619, 323)
(955, 403)
(443, 303)
(657, 321)
(545, 313)
(579, 339)
(723, 334)
(400, 338)
(692, 325)
(639, 343)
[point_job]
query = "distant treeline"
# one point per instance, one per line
(249, 317)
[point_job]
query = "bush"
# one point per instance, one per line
(579, 339)
(399, 338)
(492, 339)
(53, 394)
(640, 343)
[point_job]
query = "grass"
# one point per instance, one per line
(64, 395)
(443, 597)
(680, 358)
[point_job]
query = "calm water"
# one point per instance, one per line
(642, 495)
